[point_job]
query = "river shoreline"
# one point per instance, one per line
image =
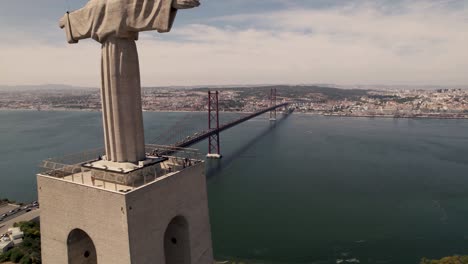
(434, 117)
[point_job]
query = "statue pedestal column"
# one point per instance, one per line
(121, 101)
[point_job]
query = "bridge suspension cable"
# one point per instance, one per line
(188, 131)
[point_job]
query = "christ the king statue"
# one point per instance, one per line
(116, 24)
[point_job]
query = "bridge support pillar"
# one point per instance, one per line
(213, 123)
(273, 103)
(213, 156)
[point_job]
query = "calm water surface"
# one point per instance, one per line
(308, 190)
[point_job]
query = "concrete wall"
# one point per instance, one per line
(137, 227)
(152, 207)
(66, 206)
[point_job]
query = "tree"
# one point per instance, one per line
(29, 252)
(446, 260)
(16, 254)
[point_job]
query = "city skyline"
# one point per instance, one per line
(294, 42)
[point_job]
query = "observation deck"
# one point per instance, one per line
(91, 169)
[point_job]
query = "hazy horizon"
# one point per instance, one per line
(352, 86)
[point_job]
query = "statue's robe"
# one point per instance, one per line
(115, 24)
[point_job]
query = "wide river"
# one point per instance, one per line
(310, 189)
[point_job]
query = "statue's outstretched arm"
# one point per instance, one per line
(185, 4)
(78, 24)
(144, 15)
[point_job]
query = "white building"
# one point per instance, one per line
(16, 235)
(5, 244)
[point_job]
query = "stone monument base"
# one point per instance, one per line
(164, 221)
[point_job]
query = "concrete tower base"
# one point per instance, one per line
(213, 156)
(163, 221)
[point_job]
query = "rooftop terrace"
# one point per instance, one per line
(90, 168)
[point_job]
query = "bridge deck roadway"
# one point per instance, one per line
(194, 139)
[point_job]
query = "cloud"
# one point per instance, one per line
(361, 43)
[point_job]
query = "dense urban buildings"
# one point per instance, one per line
(434, 103)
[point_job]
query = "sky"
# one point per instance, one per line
(237, 42)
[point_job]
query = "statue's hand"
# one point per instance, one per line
(185, 4)
(62, 21)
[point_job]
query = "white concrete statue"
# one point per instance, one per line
(115, 24)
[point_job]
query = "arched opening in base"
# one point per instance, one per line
(177, 242)
(81, 248)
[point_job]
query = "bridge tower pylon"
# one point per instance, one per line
(273, 103)
(213, 123)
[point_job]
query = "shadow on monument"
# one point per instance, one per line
(215, 166)
(177, 242)
(81, 249)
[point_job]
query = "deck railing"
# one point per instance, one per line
(71, 166)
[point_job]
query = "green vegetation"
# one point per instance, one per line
(317, 93)
(383, 97)
(406, 99)
(312, 92)
(400, 100)
(447, 260)
(231, 104)
(29, 252)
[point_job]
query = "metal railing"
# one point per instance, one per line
(70, 166)
(53, 168)
(79, 158)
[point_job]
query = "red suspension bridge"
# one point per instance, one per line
(214, 126)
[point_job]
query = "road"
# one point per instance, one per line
(27, 216)
(12, 216)
(5, 208)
